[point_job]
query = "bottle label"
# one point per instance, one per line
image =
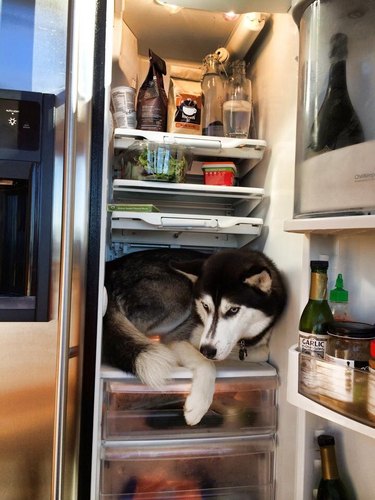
(312, 344)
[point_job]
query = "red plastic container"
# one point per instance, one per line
(219, 173)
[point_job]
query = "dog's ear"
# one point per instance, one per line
(192, 269)
(259, 278)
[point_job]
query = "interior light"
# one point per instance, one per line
(231, 16)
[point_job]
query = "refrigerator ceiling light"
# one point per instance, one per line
(231, 15)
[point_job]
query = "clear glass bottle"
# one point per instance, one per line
(237, 107)
(213, 97)
(331, 486)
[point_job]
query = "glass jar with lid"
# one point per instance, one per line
(348, 353)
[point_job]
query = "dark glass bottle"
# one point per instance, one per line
(330, 486)
(337, 124)
(312, 330)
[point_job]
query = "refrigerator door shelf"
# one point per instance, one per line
(312, 405)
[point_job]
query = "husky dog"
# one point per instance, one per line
(199, 307)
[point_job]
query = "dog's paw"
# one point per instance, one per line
(196, 406)
(153, 366)
(202, 392)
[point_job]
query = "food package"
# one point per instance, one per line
(185, 100)
(152, 101)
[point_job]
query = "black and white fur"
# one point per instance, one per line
(200, 306)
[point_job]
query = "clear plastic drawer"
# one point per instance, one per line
(226, 468)
(241, 405)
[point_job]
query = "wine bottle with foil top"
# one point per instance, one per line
(331, 486)
(337, 124)
(316, 314)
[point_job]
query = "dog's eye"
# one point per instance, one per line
(205, 306)
(232, 311)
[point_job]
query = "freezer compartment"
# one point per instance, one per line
(241, 405)
(239, 468)
(339, 387)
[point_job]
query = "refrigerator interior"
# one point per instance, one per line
(273, 69)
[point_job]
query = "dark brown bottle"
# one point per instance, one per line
(330, 487)
(337, 124)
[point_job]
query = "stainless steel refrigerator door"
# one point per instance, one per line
(40, 365)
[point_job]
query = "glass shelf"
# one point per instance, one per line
(331, 225)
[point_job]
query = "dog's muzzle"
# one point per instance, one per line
(208, 351)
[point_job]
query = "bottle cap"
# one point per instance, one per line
(339, 294)
(319, 264)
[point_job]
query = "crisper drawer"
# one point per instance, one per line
(221, 468)
(244, 403)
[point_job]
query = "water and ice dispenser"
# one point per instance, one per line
(335, 166)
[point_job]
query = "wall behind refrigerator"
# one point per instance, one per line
(274, 72)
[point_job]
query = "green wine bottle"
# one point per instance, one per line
(330, 486)
(312, 325)
(337, 124)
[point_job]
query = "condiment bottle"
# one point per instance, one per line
(213, 97)
(339, 300)
(312, 329)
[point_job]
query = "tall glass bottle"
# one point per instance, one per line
(312, 330)
(330, 487)
(237, 107)
(213, 97)
(337, 124)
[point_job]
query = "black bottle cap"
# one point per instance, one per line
(326, 440)
(319, 264)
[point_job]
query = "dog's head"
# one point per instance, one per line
(239, 294)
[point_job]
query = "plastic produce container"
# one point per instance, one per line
(150, 161)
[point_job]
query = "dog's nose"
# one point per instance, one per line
(208, 351)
